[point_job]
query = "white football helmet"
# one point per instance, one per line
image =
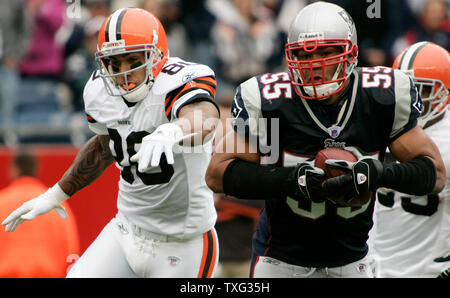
(317, 25)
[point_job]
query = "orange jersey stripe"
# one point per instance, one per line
(206, 83)
(209, 254)
(214, 256)
(209, 88)
(170, 101)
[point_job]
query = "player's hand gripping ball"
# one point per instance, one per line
(338, 197)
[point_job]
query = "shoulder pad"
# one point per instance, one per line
(94, 94)
(250, 93)
(177, 72)
(387, 86)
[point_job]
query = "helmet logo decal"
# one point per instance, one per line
(348, 19)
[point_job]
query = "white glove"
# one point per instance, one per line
(154, 145)
(42, 204)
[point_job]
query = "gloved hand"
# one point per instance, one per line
(444, 274)
(309, 179)
(366, 175)
(154, 145)
(42, 204)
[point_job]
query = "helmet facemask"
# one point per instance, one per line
(435, 98)
(309, 76)
(129, 91)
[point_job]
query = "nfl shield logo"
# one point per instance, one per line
(334, 131)
(362, 268)
(173, 261)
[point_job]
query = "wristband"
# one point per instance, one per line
(57, 193)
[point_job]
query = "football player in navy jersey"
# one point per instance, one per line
(309, 226)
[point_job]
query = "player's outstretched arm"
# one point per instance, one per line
(92, 160)
(196, 124)
(200, 119)
(235, 170)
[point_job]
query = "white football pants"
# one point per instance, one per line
(124, 250)
(269, 267)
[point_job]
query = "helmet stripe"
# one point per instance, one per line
(107, 30)
(407, 61)
(119, 24)
(112, 25)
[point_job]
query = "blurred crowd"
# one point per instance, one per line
(47, 48)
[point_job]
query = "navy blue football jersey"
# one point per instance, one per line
(378, 106)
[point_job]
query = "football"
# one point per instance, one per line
(333, 153)
(330, 172)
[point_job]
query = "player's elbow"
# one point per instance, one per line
(214, 174)
(441, 178)
(213, 179)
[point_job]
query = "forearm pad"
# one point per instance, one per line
(252, 181)
(414, 177)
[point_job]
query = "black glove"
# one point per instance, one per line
(444, 274)
(309, 181)
(365, 176)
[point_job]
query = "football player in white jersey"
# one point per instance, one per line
(144, 106)
(411, 234)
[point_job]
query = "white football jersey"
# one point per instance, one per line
(168, 199)
(411, 235)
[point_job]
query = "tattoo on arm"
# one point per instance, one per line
(91, 161)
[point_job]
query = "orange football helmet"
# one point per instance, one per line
(429, 66)
(129, 30)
